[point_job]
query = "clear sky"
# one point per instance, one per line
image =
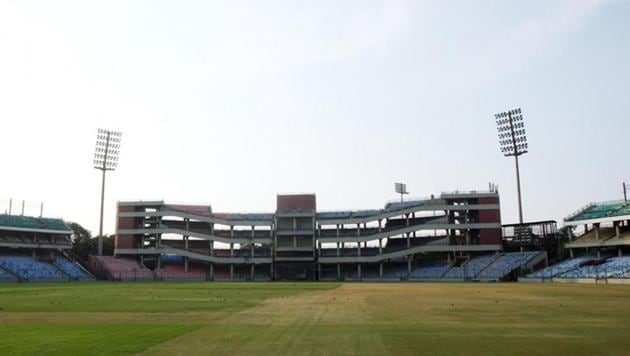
(229, 103)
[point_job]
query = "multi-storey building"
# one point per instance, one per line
(299, 242)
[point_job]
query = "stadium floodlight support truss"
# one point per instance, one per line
(105, 159)
(513, 142)
(401, 188)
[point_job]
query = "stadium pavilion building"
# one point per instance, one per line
(35, 249)
(605, 228)
(299, 242)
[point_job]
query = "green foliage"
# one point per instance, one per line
(84, 245)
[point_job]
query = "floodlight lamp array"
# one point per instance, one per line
(511, 132)
(107, 149)
(401, 188)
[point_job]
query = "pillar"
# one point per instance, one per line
(596, 226)
(571, 252)
(359, 270)
(380, 246)
(185, 264)
(338, 272)
(211, 271)
(252, 272)
(380, 270)
(617, 230)
(231, 271)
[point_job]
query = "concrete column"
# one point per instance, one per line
(185, 264)
(252, 272)
(338, 272)
(619, 252)
(294, 241)
(408, 241)
(338, 249)
(596, 226)
(231, 231)
(617, 230)
(185, 242)
(380, 246)
(599, 253)
(337, 230)
(251, 250)
(571, 252)
(359, 270)
(231, 271)
(319, 271)
(253, 232)
(211, 248)
(359, 249)
(380, 270)
(358, 229)
(408, 266)
(231, 250)
(407, 219)
(467, 237)
(380, 229)
(211, 271)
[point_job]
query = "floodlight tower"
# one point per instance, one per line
(105, 159)
(513, 142)
(401, 188)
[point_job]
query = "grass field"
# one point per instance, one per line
(314, 318)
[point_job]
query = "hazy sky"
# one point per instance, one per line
(229, 103)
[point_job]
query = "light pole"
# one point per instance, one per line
(513, 142)
(105, 159)
(401, 188)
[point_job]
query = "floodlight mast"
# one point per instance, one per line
(513, 142)
(105, 159)
(401, 188)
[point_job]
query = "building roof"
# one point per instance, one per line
(30, 223)
(598, 212)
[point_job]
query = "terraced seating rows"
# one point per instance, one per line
(560, 268)
(125, 268)
(5, 276)
(71, 269)
(506, 263)
(613, 267)
(30, 269)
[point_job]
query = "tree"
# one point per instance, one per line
(84, 245)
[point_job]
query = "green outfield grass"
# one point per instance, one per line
(313, 318)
